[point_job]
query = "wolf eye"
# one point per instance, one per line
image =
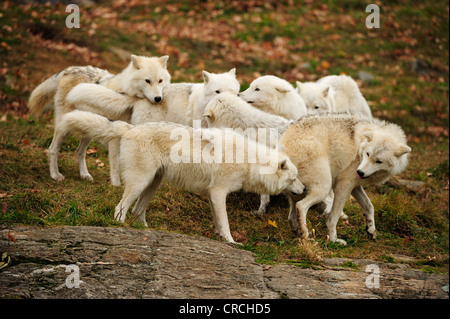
(148, 81)
(367, 154)
(257, 89)
(217, 91)
(378, 162)
(316, 107)
(160, 81)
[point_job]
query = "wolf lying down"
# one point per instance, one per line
(151, 152)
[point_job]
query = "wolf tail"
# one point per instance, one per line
(43, 94)
(99, 99)
(93, 125)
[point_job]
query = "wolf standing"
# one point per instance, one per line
(361, 152)
(146, 156)
(144, 77)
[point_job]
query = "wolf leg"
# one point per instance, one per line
(217, 199)
(264, 203)
(81, 152)
(135, 186)
(342, 191)
(58, 138)
(114, 167)
(145, 197)
(363, 200)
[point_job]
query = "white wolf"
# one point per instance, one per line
(177, 105)
(335, 94)
(213, 84)
(274, 95)
(144, 77)
(362, 152)
(147, 156)
(229, 111)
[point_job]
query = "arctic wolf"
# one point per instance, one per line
(335, 94)
(172, 108)
(361, 152)
(274, 95)
(213, 84)
(150, 151)
(227, 110)
(177, 105)
(100, 99)
(144, 77)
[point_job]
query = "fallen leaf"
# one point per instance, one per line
(272, 223)
(91, 151)
(325, 65)
(99, 163)
(10, 237)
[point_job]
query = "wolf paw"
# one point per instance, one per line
(258, 213)
(341, 241)
(372, 236)
(115, 182)
(87, 177)
(57, 176)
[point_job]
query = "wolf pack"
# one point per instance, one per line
(320, 138)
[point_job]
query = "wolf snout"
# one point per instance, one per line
(158, 99)
(297, 188)
(361, 174)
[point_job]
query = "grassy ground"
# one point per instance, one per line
(294, 40)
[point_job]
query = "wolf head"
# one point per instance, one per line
(274, 95)
(276, 172)
(383, 153)
(147, 77)
(317, 96)
(265, 91)
(221, 107)
(219, 83)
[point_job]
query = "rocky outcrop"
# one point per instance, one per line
(99, 262)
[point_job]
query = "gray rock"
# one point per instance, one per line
(99, 262)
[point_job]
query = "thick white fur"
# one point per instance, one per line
(230, 111)
(144, 77)
(227, 110)
(373, 149)
(212, 85)
(145, 159)
(274, 95)
(334, 93)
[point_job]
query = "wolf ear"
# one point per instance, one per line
(368, 135)
(208, 115)
(404, 149)
(283, 89)
(299, 86)
(163, 60)
(135, 61)
(205, 76)
(325, 92)
(232, 71)
(283, 165)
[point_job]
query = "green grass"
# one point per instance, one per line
(272, 37)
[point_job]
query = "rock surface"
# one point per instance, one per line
(99, 262)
